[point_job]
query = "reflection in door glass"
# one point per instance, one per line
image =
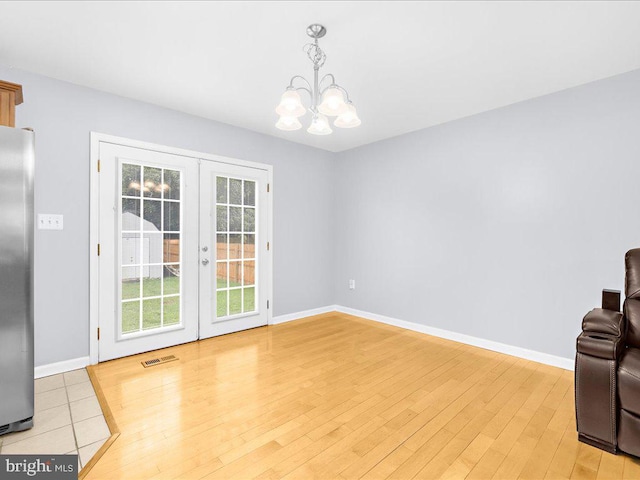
(151, 249)
(152, 186)
(235, 252)
(131, 185)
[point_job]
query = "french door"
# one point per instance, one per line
(182, 250)
(233, 248)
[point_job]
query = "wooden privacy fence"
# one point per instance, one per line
(235, 250)
(171, 249)
(235, 267)
(235, 272)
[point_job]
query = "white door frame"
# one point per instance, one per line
(94, 232)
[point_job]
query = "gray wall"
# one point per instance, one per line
(63, 115)
(505, 225)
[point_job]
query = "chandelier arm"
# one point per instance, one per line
(328, 75)
(301, 78)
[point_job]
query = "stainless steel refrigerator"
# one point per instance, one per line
(16, 279)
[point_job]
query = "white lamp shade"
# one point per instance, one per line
(332, 102)
(290, 105)
(348, 119)
(288, 124)
(319, 125)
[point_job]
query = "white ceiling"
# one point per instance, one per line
(406, 65)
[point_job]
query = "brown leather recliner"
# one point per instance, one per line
(607, 374)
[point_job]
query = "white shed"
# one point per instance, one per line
(141, 247)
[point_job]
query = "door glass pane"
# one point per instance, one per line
(151, 258)
(151, 313)
(171, 248)
(171, 311)
(221, 189)
(131, 316)
(152, 249)
(152, 285)
(171, 185)
(249, 299)
(235, 245)
(130, 282)
(235, 191)
(131, 214)
(171, 216)
(221, 219)
(249, 270)
(171, 281)
(131, 248)
(221, 309)
(131, 180)
(235, 219)
(249, 193)
(152, 186)
(152, 215)
(249, 219)
(234, 274)
(221, 275)
(249, 246)
(235, 252)
(235, 301)
(221, 246)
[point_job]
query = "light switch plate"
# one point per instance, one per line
(48, 221)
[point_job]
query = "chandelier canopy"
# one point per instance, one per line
(327, 98)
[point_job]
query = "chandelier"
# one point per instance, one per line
(332, 96)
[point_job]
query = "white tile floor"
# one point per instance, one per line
(67, 419)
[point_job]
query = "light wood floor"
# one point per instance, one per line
(338, 397)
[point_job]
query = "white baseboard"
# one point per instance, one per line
(545, 358)
(61, 367)
(305, 313)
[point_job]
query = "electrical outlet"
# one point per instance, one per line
(47, 221)
(352, 284)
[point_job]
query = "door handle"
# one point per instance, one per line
(205, 262)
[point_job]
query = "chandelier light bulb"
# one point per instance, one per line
(288, 124)
(290, 105)
(332, 102)
(349, 118)
(319, 125)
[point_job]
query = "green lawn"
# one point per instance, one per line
(235, 301)
(151, 311)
